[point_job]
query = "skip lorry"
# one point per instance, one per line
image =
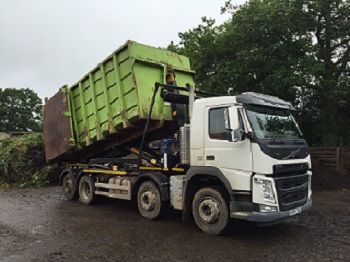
(136, 128)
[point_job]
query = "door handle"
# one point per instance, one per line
(210, 157)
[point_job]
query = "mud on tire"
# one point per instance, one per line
(86, 190)
(149, 201)
(69, 187)
(210, 210)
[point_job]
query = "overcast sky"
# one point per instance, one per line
(45, 44)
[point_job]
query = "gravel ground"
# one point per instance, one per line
(40, 225)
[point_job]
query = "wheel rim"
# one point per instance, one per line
(209, 210)
(148, 200)
(85, 190)
(68, 185)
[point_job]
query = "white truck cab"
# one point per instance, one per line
(253, 146)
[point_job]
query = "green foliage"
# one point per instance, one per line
(298, 50)
(22, 162)
(199, 44)
(20, 110)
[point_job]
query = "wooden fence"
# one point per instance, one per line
(337, 158)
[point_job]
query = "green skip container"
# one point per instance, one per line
(109, 105)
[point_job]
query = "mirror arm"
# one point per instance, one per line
(249, 135)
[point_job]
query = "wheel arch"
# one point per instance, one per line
(65, 172)
(79, 175)
(199, 177)
(159, 178)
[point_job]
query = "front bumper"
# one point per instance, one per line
(269, 216)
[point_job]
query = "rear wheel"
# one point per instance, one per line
(86, 190)
(210, 210)
(149, 201)
(69, 187)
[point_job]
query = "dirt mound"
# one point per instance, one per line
(22, 162)
(324, 178)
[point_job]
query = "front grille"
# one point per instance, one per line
(292, 191)
(290, 169)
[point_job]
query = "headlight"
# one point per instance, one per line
(267, 190)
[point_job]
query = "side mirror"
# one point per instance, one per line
(238, 135)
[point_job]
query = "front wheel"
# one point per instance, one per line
(149, 201)
(86, 190)
(210, 210)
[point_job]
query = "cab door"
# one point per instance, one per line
(232, 155)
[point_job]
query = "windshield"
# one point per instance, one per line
(269, 122)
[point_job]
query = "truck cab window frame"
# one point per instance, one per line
(217, 128)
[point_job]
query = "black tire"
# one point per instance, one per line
(86, 190)
(69, 187)
(210, 210)
(149, 201)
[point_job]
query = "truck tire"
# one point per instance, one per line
(86, 190)
(69, 187)
(210, 210)
(149, 201)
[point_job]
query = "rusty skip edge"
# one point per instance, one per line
(57, 126)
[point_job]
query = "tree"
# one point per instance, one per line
(20, 110)
(298, 50)
(295, 49)
(199, 44)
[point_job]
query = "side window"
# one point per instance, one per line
(217, 128)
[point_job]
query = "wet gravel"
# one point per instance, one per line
(40, 225)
